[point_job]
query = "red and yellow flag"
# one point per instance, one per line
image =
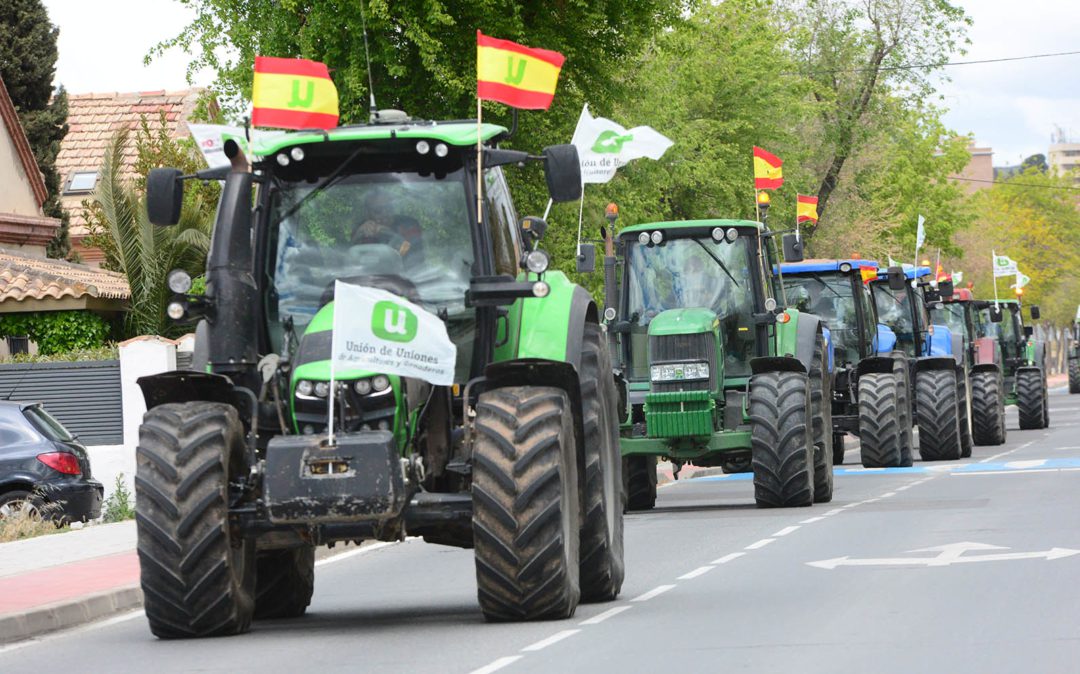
(293, 94)
(519, 76)
(806, 209)
(768, 171)
(868, 274)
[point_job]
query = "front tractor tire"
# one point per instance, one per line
(880, 429)
(1074, 375)
(1031, 399)
(525, 505)
(639, 475)
(284, 582)
(782, 439)
(602, 568)
(198, 576)
(988, 408)
(966, 436)
(821, 411)
(937, 410)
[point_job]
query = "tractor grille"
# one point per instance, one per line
(682, 349)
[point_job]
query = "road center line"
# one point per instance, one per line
(497, 664)
(661, 589)
(728, 557)
(786, 530)
(760, 544)
(833, 512)
(812, 520)
(553, 639)
(887, 495)
(906, 486)
(597, 619)
(998, 456)
(851, 505)
(700, 571)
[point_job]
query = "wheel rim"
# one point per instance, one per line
(20, 507)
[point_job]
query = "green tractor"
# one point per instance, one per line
(238, 478)
(1023, 361)
(719, 373)
(1074, 354)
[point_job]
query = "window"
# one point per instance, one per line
(17, 345)
(81, 182)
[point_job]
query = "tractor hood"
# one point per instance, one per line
(312, 360)
(688, 321)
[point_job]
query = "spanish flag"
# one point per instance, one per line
(768, 174)
(519, 76)
(806, 209)
(868, 274)
(293, 94)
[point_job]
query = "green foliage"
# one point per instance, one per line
(118, 505)
(105, 352)
(27, 63)
(57, 332)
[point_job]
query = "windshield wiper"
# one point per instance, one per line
(323, 184)
(718, 261)
(824, 283)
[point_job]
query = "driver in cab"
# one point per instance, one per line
(381, 225)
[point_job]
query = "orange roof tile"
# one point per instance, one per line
(24, 277)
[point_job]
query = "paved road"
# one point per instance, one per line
(714, 584)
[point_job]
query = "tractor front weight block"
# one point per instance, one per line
(358, 479)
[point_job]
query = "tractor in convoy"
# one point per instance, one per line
(1074, 354)
(961, 312)
(237, 478)
(933, 358)
(719, 372)
(1023, 360)
(870, 383)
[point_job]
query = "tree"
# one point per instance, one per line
(859, 54)
(144, 253)
(1035, 161)
(27, 64)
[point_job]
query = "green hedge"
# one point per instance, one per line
(57, 332)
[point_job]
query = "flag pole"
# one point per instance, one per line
(937, 265)
(993, 275)
(479, 164)
(580, 218)
(330, 396)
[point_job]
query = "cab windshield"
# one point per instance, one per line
(693, 272)
(830, 297)
(951, 315)
(894, 310)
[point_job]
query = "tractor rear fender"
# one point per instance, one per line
(797, 339)
(874, 365)
(935, 363)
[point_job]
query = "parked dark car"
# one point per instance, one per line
(43, 467)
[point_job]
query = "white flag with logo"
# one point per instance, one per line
(210, 139)
(1022, 280)
(1004, 266)
(920, 234)
(958, 277)
(379, 331)
(603, 146)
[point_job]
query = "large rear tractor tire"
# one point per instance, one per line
(966, 440)
(821, 411)
(602, 568)
(902, 372)
(938, 411)
(525, 505)
(782, 437)
(988, 408)
(880, 432)
(198, 576)
(284, 582)
(1074, 375)
(639, 473)
(1031, 399)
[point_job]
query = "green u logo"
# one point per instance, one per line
(513, 78)
(296, 101)
(393, 322)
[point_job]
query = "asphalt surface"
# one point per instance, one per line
(886, 578)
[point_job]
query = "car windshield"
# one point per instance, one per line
(690, 273)
(894, 310)
(46, 424)
(830, 297)
(401, 231)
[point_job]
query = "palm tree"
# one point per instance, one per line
(143, 252)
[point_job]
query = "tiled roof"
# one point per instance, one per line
(23, 277)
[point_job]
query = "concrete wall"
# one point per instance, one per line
(140, 357)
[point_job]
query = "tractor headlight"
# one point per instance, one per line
(304, 387)
(175, 310)
(381, 382)
(363, 386)
(657, 237)
(179, 281)
(322, 389)
(537, 261)
(680, 372)
(845, 267)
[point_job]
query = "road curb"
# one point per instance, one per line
(67, 614)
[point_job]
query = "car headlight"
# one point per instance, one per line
(680, 372)
(322, 389)
(304, 387)
(381, 382)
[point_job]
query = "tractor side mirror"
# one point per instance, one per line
(945, 289)
(996, 314)
(897, 278)
(586, 258)
(562, 169)
(533, 228)
(164, 196)
(793, 248)
(1028, 331)
(1035, 313)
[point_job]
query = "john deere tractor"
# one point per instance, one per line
(720, 373)
(961, 313)
(238, 479)
(870, 384)
(935, 363)
(1023, 361)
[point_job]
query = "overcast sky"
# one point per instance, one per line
(1013, 107)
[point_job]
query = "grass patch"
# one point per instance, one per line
(28, 523)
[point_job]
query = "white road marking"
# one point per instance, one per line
(906, 486)
(661, 589)
(497, 665)
(760, 544)
(728, 557)
(947, 555)
(786, 530)
(1021, 465)
(1012, 472)
(833, 512)
(1064, 449)
(700, 571)
(553, 639)
(597, 619)
(851, 505)
(998, 456)
(355, 553)
(887, 495)
(812, 520)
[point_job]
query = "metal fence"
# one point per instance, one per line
(84, 396)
